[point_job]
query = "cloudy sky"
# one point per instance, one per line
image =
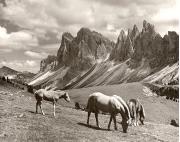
(31, 29)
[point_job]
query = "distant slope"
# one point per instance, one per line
(167, 75)
(13, 74)
(109, 73)
(7, 71)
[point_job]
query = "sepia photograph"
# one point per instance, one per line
(89, 70)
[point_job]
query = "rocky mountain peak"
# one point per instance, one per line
(83, 34)
(67, 36)
(83, 50)
(147, 27)
(122, 36)
(48, 63)
(134, 32)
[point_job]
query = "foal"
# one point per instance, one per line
(51, 96)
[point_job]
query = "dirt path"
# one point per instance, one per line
(18, 122)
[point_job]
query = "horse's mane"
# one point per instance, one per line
(124, 105)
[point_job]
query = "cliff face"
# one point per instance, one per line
(124, 47)
(147, 44)
(84, 50)
(159, 51)
(49, 63)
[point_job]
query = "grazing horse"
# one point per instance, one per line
(51, 96)
(137, 111)
(108, 104)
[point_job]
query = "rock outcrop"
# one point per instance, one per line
(157, 50)
(84, 50)
(49, 63)
(124, 48)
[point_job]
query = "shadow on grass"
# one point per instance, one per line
(93, 127)
(32, 111)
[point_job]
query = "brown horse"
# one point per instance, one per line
(108, 104)
(51, 96)
(137, 111)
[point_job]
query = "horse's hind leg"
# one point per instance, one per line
(109, 122)
(54, 108)
(89, 113)
(137, 118)
(114, 118)
(97, 122)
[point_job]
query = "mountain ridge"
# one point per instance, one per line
(91, 56)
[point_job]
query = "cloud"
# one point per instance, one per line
(31, 63)
(36, 55)
(50, 47)
(12, 63)
(5, 50)
(16, 40)
(58, 16)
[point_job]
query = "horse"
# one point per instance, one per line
(107, 104)
(51, 96)
(137, 111)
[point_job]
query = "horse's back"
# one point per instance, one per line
(98, 101)
(51, 95)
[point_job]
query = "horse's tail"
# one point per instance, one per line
(131, 109)
(142, 111)
(89, 104)
(87, 107)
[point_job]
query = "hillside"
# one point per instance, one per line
(20, 123)
(17, 75)
(7, 71)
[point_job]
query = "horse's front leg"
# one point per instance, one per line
(110, 122)
(135, 117)
(97, 122)
(40, 105)
(114, 118)
(37, 107)
(54, 109)
(89, 113)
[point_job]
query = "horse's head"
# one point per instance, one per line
(125, 124)
(66, 97)
(126, 121)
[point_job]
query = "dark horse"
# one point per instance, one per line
(108, 104)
